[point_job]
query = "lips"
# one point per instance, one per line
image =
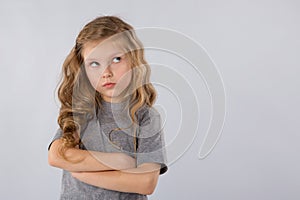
(108, 85)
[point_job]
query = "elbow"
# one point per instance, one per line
(52, 154)
(149, 191)
(57, 161)
(53, 159)
(67, 161)
(149, 185)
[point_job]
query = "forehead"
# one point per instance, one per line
(102, 49)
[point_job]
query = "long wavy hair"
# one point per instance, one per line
(79, 100)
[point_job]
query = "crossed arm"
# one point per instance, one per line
(113, 171)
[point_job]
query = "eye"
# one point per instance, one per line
(117, 59)
(94, 64)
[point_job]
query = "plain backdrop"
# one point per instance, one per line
(255, 46)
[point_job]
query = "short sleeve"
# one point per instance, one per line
(57, 135)
(150, 140)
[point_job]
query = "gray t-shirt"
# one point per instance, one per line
(98, 135)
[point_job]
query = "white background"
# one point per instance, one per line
(255, 45)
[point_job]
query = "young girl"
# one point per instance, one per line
(110, 143)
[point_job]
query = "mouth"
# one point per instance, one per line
(108, 85)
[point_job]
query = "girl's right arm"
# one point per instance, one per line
(88, 160)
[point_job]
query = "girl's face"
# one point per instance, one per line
(108, 69)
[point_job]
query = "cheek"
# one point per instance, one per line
(123, 81)
(125, 78)
(93, 77)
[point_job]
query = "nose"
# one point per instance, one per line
(106, 74)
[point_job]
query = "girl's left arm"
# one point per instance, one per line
(142, 179)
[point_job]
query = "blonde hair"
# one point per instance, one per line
(78, 100)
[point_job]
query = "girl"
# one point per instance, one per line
(110, 142)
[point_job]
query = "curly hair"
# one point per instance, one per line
(79, 100)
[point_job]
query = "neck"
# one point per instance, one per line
(115, 99)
